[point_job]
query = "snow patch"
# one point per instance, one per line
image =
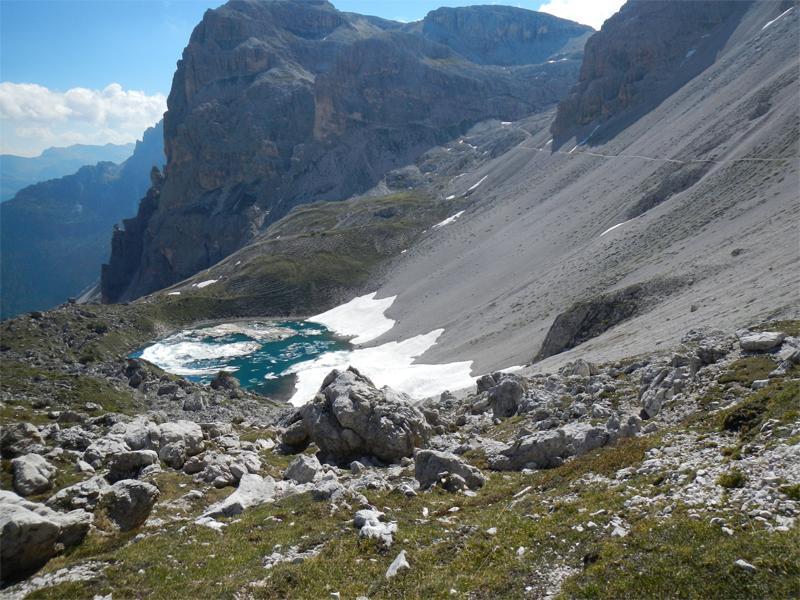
(206, 283)
(787, 11)
(450, 197)
(448, 220)
(174, 294)
(477, 184)
(389, 364)
(613, 227)
(362, 318)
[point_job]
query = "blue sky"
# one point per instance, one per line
(68, 53)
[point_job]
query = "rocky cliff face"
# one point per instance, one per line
(281, 102)
(55, 234)
(645, 51)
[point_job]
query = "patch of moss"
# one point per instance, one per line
(776, 401)
(791, 490)
(732, 479)
(748, 369)
(789, 327)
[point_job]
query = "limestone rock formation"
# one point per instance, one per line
(645, 51)
(32, 534)
(277, 103)
(350, 418)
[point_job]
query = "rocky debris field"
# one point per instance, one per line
(678, 470)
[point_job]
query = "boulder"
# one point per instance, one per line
(584, 437)
(100, 451)
(195, 403)
(542, 449)
(504, 398)
(304, 469)
(761, 342)
(431, 465)
(252, 491)
(179, 440)
(220, 469)
(73, 438)
(173, 454)
(32, 474)
(398, 564)
(127, 465)
(350, 418)
(84, 495)
(32, 534)
(188, 432)
(128, 503)
(17, 438)
(142, 434)
(215, 430)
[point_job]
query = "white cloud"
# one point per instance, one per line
(588, 12)
(34, 117)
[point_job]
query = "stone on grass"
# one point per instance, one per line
(128, 465)
(762, 341)
(252, 491)
(370, 526)
(128, 503)
(432, 465)
(303, 469)
(32, 474)
(17, 438)
(398, 564)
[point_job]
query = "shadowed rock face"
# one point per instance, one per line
(644, 51)
(281, 102)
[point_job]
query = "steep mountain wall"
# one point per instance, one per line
(642, 54)
(281, 102)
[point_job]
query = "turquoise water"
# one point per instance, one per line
(257, 353)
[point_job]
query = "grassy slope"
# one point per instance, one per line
(315, 256)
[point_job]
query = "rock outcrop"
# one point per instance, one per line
(349, 418)
(646, 50)
(281, 102)
(32, 534)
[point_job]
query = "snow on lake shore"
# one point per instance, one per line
(361, 318)
(388, 364)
